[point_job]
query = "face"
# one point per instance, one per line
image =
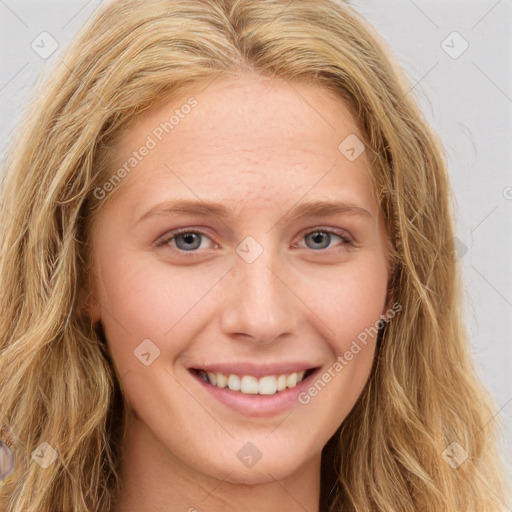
(211, 271)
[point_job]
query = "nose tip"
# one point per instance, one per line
(260, 305)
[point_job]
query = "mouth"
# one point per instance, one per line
(255, 390)
(272, 384)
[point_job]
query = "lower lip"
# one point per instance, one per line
(257, 405)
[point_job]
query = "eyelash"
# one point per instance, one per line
(165, 241)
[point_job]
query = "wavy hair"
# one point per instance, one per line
(57, 381)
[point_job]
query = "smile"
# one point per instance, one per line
(257, 390)
(251, 385)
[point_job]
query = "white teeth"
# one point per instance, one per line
(222, 381)
(233, 382)
(291, 380)
(250, 385)
(281, 382)
(267, 385)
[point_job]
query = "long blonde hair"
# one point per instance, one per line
(57, 381)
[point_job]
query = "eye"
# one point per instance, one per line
(321, 238)
(184, 240)
(189, 241)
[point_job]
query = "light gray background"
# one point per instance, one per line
(467, 100)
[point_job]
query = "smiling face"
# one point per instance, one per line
(258, 286)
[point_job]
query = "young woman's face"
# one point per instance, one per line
(257, 288)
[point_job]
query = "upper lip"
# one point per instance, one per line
(256, 370)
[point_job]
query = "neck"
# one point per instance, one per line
(153, 479)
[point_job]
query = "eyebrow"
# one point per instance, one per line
(299, 211)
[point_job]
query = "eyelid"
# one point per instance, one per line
(344, 235)
(167, 237)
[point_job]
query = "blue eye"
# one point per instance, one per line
(184, 240)
(322, 236)
(189, 241)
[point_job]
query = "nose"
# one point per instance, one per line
(260, 304)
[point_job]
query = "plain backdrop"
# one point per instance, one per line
(457, 55)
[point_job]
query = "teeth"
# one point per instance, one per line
(250, 385)
(267, 385)
(281, 382)
(222, 381)
(213, 378)
(291, 380)
(233, 383)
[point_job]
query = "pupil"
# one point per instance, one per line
(188, 238)
(317, 238)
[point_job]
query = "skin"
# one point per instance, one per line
(260, 148)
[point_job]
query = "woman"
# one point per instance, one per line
(255, 370)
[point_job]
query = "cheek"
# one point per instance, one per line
(351, 308)
(143, 300)
(349, 302)
(351, 299)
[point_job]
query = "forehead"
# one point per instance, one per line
(246, 138)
